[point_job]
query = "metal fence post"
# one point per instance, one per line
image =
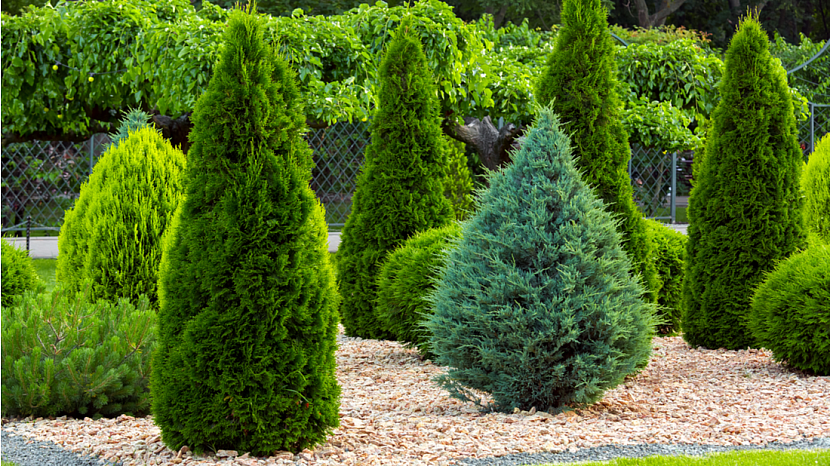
(812, 127)
(673, 187)
(28, 231)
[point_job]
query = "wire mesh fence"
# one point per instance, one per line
(814, 128)
(42, 179)
(661, 181)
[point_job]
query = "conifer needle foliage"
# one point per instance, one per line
(400, 191)
(112, 235)
(580, 84)
(816, 184)
(248, 316)
(18, 271)
(536, 304)
(745, 208)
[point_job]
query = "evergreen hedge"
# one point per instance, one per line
(401, 188)
(248, 316)
(745, 208)
(816, 184)
(18, 271)
(96, 362)
(668, 248)
(406, 277)
(580, 83)
(790, 313)
(536, 304)
(112, 235)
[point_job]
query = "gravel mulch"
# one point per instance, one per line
(393, 414)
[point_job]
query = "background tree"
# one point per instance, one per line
(536, 304)
(248, 316)
(580, 84)
(745, 207)
(400, 190)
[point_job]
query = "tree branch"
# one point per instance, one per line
(491, 144)
(661, 15)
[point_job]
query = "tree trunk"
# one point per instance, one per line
(658, 18)
(492, 145)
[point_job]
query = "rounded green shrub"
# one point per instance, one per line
(19, 273)
(406, 277)
(248, 299)
(745, 208)
(112, 235)
(790, 313)
(816, 184)
(63, 354)
(580, 83)
(668, 249)
(536, 304)
(401, 188)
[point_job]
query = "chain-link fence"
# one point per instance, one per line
(338, 155)
(812, 130)
(661, 182)
(42, 179)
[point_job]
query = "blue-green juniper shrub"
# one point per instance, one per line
(536, 304)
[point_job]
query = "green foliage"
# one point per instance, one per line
(458, 181)
(400, 190)
(745, 209)
(406, 277)
(580, 83)
(668, 248)
(19, 273)
(161, 54)
(815, 181)
(536, 304)
(662, 35)
(790, 312)
(112, 236)
(133, 121)
(64, 354)
(248, 299)
(659, 125)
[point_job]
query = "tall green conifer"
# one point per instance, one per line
(400, 191)
(248, 318)
(580, 84)
(745, 208)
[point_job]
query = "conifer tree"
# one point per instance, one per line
(536, 303)
(248, 316)
(401, 189)
(580, 84)
(745, 208)
(815, 181)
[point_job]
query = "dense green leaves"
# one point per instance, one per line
(19, 273)
(64, 354)
(816, 184)
(580, 83)
(401, 188)
(248, 315)
(745, 208)
(112, 236)
(536, 304)
(790, 312)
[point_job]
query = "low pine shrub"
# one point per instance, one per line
(112, 236)
(668, 248)
(63, 354)
(815, 181)
(536, 304)
(406, 277)
(18, 271)
(790, 313)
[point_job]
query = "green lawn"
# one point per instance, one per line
(735, 458)
(45, 269)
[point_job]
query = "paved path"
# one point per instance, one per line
(47, 247)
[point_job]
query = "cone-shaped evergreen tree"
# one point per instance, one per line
(745, 208)
(400, 191)
(536, 303)
(580, 84)
(248, 318)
